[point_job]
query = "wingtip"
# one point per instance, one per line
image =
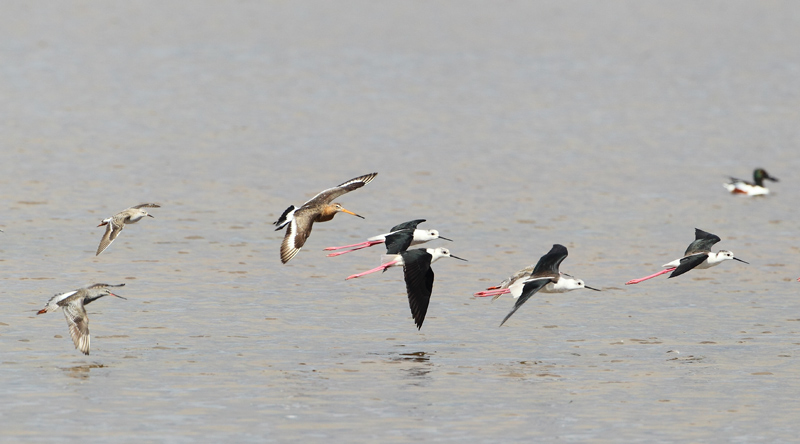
(508, 316)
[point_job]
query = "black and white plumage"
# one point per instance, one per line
(398, 239)
(546, 277)
(755, 188)
(418, 276)
(697, 255)
(317, 209)
(73, 304)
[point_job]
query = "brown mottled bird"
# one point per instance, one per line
(117, 222)
(73, 302)
(318, 209)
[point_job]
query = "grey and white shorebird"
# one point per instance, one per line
(502, 288)
(73, 304)
(755, 188)
(697, 255)
(398, 239)
(318, 209)
(565, 282)
(117, 222)
(544, 277)
(418, 276)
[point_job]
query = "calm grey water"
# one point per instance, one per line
(510, 126)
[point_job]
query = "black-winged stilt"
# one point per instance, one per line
(398, 239)
(697, 255)
(543, 277)
(318, 209)
(521, 275)
(418, 276)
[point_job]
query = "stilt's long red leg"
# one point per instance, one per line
(382, 267)
(636, 281)
(346, 246)
(496, 292)
(357, 247)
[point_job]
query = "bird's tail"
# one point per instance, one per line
(285, 218)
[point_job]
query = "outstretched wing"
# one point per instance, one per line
(507, 282)
(112, 231)
(549, 263)
(147, 205)
(419, 283)
(285, 218)
(400, 236)
(53, 305)
(296, 234)
(328, 195)
(105, 285)
(410, 225)
(399, 242)
(529, 289)
(520, 274)
(78, 325)
(703, 241)
(689, 262)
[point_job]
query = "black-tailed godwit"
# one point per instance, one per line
(318, 209)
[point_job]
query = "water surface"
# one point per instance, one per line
(511, 126)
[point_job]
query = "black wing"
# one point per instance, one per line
(410, 225)
(736, 179)
(281, 222)
(399, 242)
(689, 262)
(419, 282)
(530, 289)
(703, 241)
(550, 262)
(401, 236)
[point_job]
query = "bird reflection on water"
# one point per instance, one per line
(81, 371)
(419, 373)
